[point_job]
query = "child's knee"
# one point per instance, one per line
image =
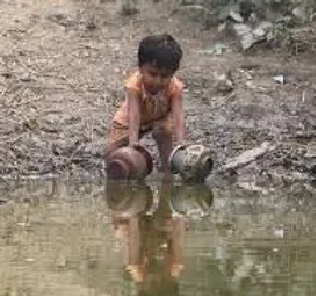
(162, 132)
(163, 129)
(117, 137)
(109, 149)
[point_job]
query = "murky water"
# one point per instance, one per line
(157, 239)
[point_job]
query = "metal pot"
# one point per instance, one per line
(129, 163)
(190, 198)
(192, 162)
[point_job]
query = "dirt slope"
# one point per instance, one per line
(61, 67)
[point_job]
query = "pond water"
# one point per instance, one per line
(75, 238)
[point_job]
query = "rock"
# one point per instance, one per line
(248, 156)
(242, 29)
(246, 9)
(26, 77)
(300, 13)
(310, 155)
(52, 123)
(248, 41)
(312, 17)
(224, 83)
(198, 12)
(228, 12)
(310, 161)
(61, 261)
(264, 84)
(220, 48)
(244, 32)
(249, 186)
(251, 11)
(189, 2)
(129, 7)
(248, 36)
(90, 25)
(222, 27)
(3, 200)
(284, 20)
(236, 17)
(279, 79)
(59, 17)
(262, 30)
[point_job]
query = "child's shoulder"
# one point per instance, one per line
(175, 86)
(177, 82)
(133, 81)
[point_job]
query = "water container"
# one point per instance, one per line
(191, 162)
(129, 163)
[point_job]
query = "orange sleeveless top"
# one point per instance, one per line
(152, 107)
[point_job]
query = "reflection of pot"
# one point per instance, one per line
(192, 162)
(128, 197)
(126, 163)
(187, 198)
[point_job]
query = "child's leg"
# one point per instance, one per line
(163, 135)
(117, 137)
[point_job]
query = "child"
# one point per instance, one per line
(153, 100)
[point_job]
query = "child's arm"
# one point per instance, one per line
(178, 115)
(133, 116)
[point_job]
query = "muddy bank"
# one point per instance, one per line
(61, 67)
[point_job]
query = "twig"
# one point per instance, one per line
(227, 99)
(4, 92)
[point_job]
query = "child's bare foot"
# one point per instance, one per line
(136, 273)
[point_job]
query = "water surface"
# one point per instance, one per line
(59, 238)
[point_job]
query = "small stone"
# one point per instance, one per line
(91, 25)
(265, 191)
(3, 200)
(242, 29)
(55, 16)
(249, 84)
(219, 48)
(259, 32)
(26, 77)
(312, 17)
(310, 155)
(248, 156)
(61, 261)
(236, 17)
(129, 9)
(279, 78)
(249, 76)
(300, 13)
(221, 27)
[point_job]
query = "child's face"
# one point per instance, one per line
(155, 79)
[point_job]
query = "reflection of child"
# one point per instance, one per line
(153, 99)
(152, 240)
(156, 263)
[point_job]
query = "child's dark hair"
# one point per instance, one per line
(161, 50)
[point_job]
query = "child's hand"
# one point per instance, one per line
(181, 143)
(134, 144)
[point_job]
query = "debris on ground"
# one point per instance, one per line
(247, 156)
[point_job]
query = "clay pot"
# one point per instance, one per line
(129, 163)
(127, 197)
(191, 162)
